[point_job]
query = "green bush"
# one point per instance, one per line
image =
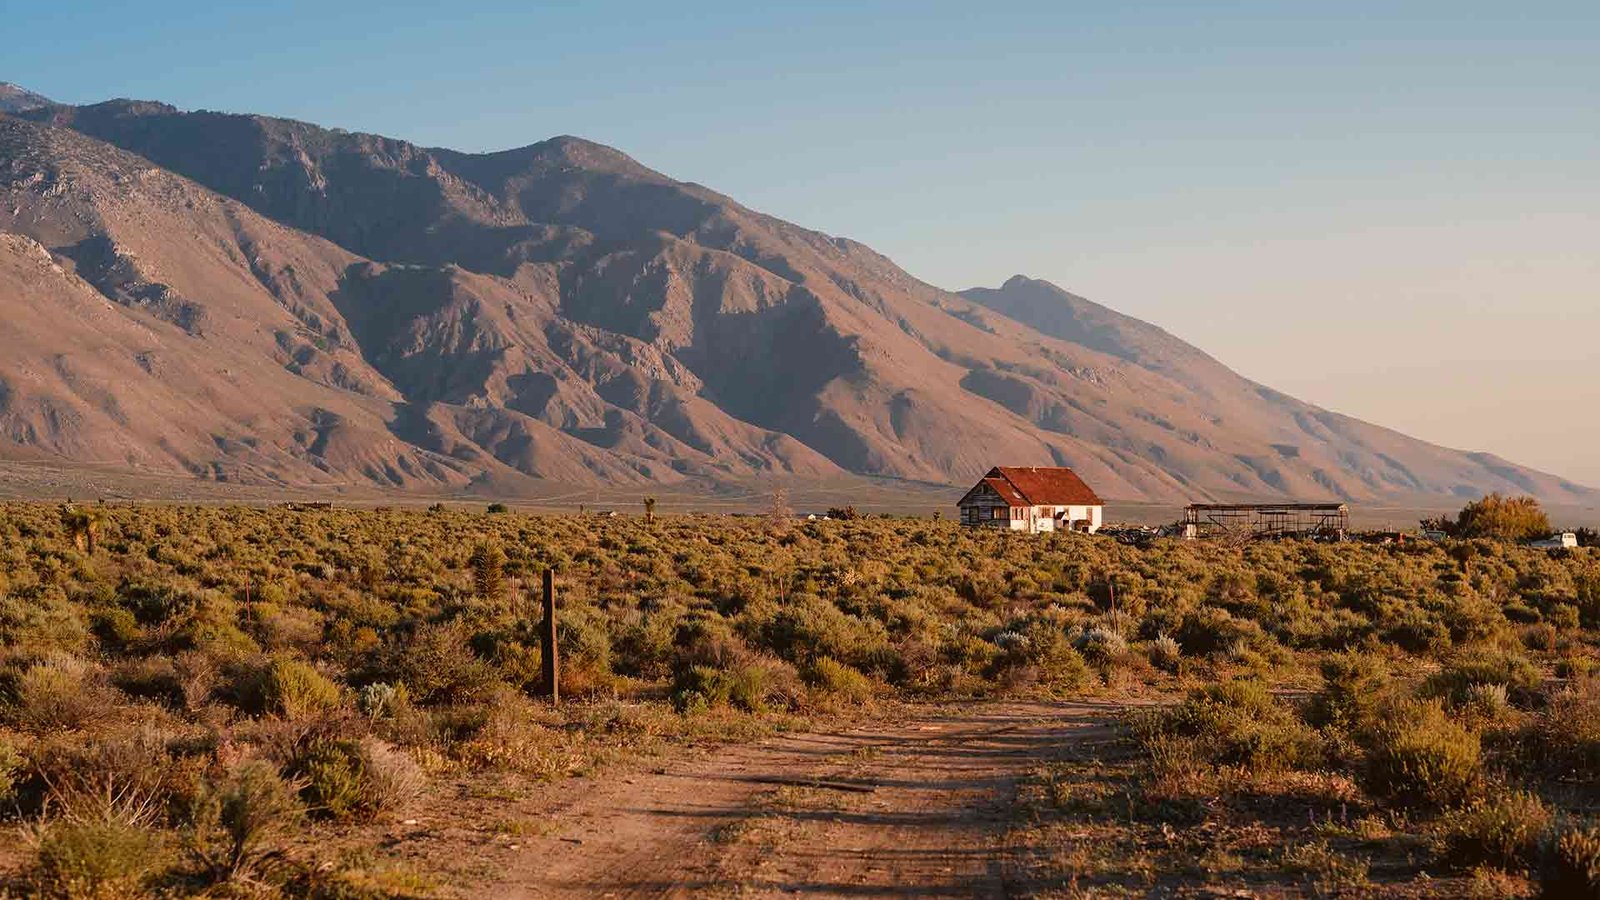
(345, 778)
(437, 665)
(330, 769)
(1502, 518)
(699, 687)
(294, 689)
(837, 679)
(1240, 723)
(108, 859)
(11, 766)
(1423, 758)
(1355, 687)
(1455, 682)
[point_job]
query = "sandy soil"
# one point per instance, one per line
(919, 804)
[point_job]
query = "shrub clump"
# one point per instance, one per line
(1567, 733)
(62, 692)
(107, 858)
(344, 778)
(236, 819)
(1423, 758)
(1354, 689)
(1239, 723)
(837, 679)
(1573, 866)
(1502, 831)
(294, 689)
(1457, 681)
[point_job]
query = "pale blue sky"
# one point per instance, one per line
(1392, 209)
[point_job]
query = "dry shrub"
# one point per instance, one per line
(1572, 868)
(1504, 830)
(1567, 732)
(1423, 758)
(126, 776)
(437, 665)
(197, 675)
(237, 821)
(287, 627)
(108, 800)
(1325, 870)
(150, 678)
(393, 780)
(507, 733)
(1166, 654)
(58, 694)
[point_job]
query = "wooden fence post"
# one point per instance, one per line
(547, 637)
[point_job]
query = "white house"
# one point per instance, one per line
(1034, 499)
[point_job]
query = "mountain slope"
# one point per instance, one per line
(154, 324)
(561, 311)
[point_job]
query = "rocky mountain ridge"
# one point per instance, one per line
(422, 318)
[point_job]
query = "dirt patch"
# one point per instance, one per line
(919, 803)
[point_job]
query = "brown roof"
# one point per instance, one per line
(1007, 493)
(1046, 486)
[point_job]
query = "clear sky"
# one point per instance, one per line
(1388, 208)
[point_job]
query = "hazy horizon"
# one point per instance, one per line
(1390, 214)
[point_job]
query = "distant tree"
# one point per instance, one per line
(1588, 537)
(649, 509)
(488, 571)
(497, 508)
(847, 512)
(1502, 518)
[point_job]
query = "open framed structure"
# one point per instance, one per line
(1324, 521)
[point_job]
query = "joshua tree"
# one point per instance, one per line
(83, 526)
(779, 513)
(649, 509)
(488, 571)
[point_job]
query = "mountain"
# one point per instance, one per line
(423, 318)
(14, 98)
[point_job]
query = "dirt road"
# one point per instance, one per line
(915, 806)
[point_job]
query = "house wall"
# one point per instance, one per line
(1044, 517)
